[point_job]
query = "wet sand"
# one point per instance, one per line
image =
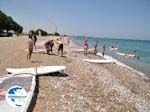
(84, 87)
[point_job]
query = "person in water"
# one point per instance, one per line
(134, 55)
(85, 46)
(95, 47)
(49, 46)
(30, 46)
(60, 46)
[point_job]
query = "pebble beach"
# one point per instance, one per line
(83, 87)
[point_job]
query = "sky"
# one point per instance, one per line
(99, 18)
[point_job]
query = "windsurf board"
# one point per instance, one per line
(36, 70)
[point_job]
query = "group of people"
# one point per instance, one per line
(50, 43)
(32, 39)
(59, 41)
(86, 48)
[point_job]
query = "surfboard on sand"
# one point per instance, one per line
(38, 50)
(36, 70)
(78, 50)
(16, 93)
(100, 61)
(82, 50)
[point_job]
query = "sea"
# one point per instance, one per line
(123, 46)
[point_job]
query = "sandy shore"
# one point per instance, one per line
(84, 87)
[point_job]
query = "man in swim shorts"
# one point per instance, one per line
(104, 47)
(49, 47)
(95, 47)
(60, 46)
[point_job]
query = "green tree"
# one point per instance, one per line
(43, 33)
(56, 34)
(7, 23)
(32, 31)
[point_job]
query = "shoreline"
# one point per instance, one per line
(125, 65)
(119, 62)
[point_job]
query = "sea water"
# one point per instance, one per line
(142, 48)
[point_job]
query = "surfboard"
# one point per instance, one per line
(122, 54)
(36, 70)
(112, 49)
(78, 50)
(16, 93)
(82, 50)
(37, 50)
(100, 61)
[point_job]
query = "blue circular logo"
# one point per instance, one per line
(16, 96)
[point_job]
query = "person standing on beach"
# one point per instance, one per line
(68, 41)
(95, 47)
(49, 46)
(30, 46)
(60, 46)
(85, 46)
(35, 40)
(104, 48)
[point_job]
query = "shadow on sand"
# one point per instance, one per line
(34, 98)
(36, 91)
(56, 74)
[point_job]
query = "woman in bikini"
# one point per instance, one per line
(30, 46)
(85, 46)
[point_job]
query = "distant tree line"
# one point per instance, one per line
(7, 24)
(43, 33)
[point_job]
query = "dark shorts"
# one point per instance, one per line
(47, 47)
(60, 48)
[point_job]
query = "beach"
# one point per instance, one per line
(83, 87)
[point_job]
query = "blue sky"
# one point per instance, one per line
(100, 18)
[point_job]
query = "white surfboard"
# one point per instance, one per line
(37, 50)
(82, 50)
(78, 50)
(16, 93)
(37, 70)
(100, 61)
(115, 48)
(122, 54)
